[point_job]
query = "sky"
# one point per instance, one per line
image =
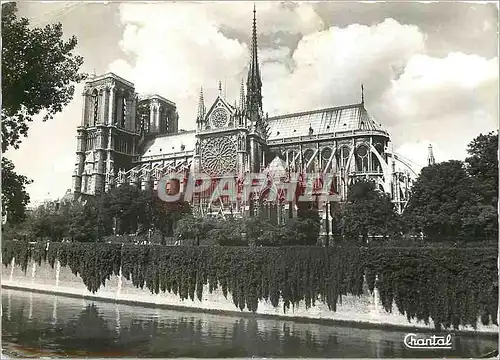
(429, 70)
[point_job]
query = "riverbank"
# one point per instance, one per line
(365, 310)
(14, 351)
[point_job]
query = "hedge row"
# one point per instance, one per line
(451, 286)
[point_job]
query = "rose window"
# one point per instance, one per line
(219, 156)
(219, 118)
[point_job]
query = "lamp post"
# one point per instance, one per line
(327, 225)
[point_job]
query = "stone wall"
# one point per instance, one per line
(366, 310)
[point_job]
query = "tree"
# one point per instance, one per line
(307, 225)
(336, 211)
(121, 203)
(445, 203)
(89, 221)
(270, 235)
(195, 227)
(38, 73)
(258, 231)
(369, 212)
(164, 215)
(20, 230)
(39, 70)
(482, 165)
(14, 195)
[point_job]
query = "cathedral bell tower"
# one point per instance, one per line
(107, 136)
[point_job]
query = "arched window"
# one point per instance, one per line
(292, 159)
(343, 156)
(362, 159)
(376, 164)
(326, 153)
(85, 182)
(145, 123)
(380, 148)
(161, 120)
(124, 111)
(95, 107)
(308, 154)
(155, 112)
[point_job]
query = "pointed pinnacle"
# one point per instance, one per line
(201, 105)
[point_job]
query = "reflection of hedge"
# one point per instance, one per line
(451, 286)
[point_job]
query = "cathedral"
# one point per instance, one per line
(127, 138)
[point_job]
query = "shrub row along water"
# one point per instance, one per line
(450, 286)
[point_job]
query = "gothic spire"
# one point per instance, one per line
(254, 83)
(220, 88)
(362, 94)
(242, 96)
(430, 158)
(201, 107)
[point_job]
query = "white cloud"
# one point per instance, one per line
(176, 50)
(172, 58)
(277, 55)
(446, 101)
(431, 87)
(329, 66)
(179, 47)
(294, 18)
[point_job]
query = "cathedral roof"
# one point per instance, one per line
(157, 97)
(324, 121)
(277, 167)
(169, 144)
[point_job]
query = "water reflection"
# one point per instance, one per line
(65, 326)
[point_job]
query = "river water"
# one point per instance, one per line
(48, 325)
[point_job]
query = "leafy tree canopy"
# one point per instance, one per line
(38, 73)
(195, 228)
(14, 195)
(482, 165)
(369, 212)
(446, 203)
(86, 221)
(39, 70)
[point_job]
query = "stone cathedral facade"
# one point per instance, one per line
(126, 138)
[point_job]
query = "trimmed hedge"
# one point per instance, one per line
(451, 286)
